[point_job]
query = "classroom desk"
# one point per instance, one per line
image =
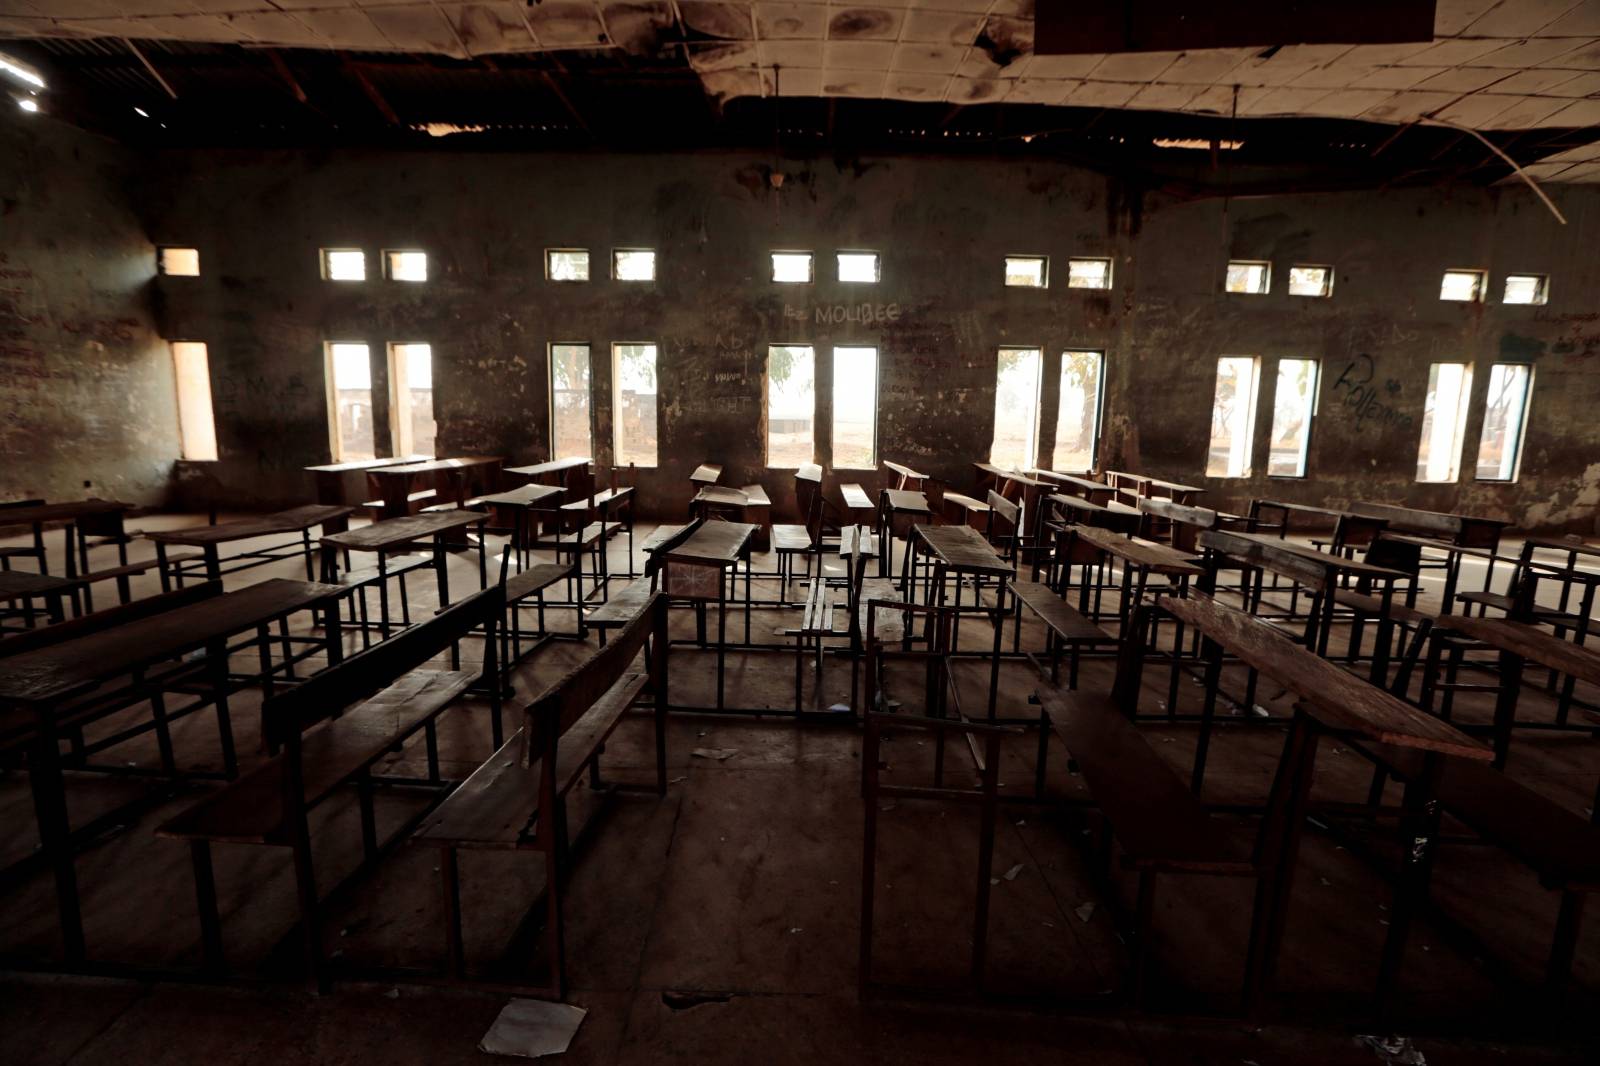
(698, 569)
(21, 585)
(961, 551)
(1350, 530)
(1074, 485)
(1319, 571)
(891, 504)
(1174, 490)
(970, 508)
(1124, 483)
(1519, 643)
(394, 482)
(1075, 510)
(331, 519)
(1440, 531)
(1139, 559)
(905, 477)
(524, 503)
(106, 516)
(394, 534)
(751, 503)
(36, 686)
(559, 472)
(1333, 701)
(329, 478)
(858, 506)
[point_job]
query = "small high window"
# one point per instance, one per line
(792, 268)
(633, 264)
(1310, 281)
(178, 262)
(1444, 421)
(1293, 403)
(571, 435)
(1088, 273)
(1027, 271)
(566, 264)
(1016, 409)
(791, 405)
(411, 423)
(859, 267)
(855, 408)
(197, 428)
(1253, 277)
(349, 376)
(1233, 416)
(406, 265)
(1465, 286)
(634, 407)
(1078, 412)
(344, 264)
(1526, 289)
(1505, 415)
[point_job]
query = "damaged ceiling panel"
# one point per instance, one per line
(1489, 65)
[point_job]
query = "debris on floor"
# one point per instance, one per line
(532, 1028)
(685, 1000)
(1394, 1050)
(1011, 874)
(719, 754)
(1084, 912)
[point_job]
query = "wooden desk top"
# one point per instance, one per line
(1311, 508)
(911, 501)
(1174, 511)
(857, 540)
(756, 496)
(1431, 523)
(1076, 503)
(526, 496)
(1253, 547)
(1561, 544)
(966, 502)
(711, 473)
(806, 472)
(1173, 486)
(60, 670)
(904, 471)
(722, 543)
(69, 511)
(1123, 475)
(365, 464)
(438, 466)
(1334, 696)
(17, 584)
(721, 494)
(963, 549)
(397, 532)
(855, 498)
(554, 466)
(291, 521)
(1530, 642)
(1075, 480)
(1156, 558)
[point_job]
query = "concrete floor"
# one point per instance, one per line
(720, 924)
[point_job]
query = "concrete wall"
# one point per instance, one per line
(938, 316)
(87, 402)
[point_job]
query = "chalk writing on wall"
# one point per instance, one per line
(1360, 394)
(829, 314)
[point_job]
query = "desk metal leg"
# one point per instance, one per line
(1419, 832)
(1505, 705)
(50, 807)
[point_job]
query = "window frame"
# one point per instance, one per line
(1311, 416)
(325, 257)
(838, 273)
(833, 405)
(161, 266)
(192, 404)
(588, 265)
(1327, 288)
(1460, 435)
(1099, 407)
(1266, 277)
(615, 276)
(1543, 293)
(402, 440)
(772, 265)
(1522, 428)
(766, 404)
(1252, 410)
(1030, 460)
(1480, 294)
(616, 400)
(336, 446)
(550, 385)
(1110, 271)
(1044, 270)
(388, 255)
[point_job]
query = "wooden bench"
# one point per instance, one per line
(826, 601)
(531, 584)
(621, 609)
(517, 801)
(1560, 847)
(331, 730)
(1063, 623)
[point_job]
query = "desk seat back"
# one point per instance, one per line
(325, 695)
(128, 613)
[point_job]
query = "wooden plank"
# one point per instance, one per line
(855, 498)
(1156, 558)
(525, 496)
(963, 550)
(69, 511)
(709, 474)
(904, 471)
(438, 466)
(291, 521)
(1412, 520)
(396, 532)
(492, 808)
(907, 501)
(1530, 642)
(554, 466)
(721, 543)
(1068, 624)
(722, 496)
(1172, 511)
(17, 584)
(1334, 696)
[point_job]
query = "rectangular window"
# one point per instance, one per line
(197, 429)
(1016, 409)
(1027, 271)
(1233, 416)
(571, 433)
(350, 402)
(791, 405)
(1465, 286)
(1088, 273)
(633, 370)
(1444, 421)
(792, 268)
(178, 262)
(1250, 276)
(1310, 281)
(344, 264)
(406, 265)
(411, 427)
(855, 408)
(566, 264)
(1505, 416)
(1520, 288)
(1078, 415)
(1293, 403)
(633, 264)
(859, 267)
